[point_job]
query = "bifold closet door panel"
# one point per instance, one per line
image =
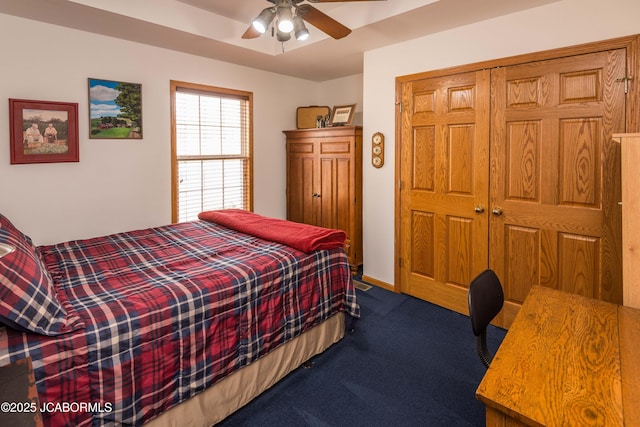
(555, 177)
(444, 186)
(513, 168)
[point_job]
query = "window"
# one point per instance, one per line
(211, 140)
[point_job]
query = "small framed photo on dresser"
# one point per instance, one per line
(343, 115)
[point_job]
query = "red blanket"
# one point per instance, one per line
(304, 237)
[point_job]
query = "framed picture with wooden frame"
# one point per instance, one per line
(43, 131)
(342, 115)
(115, 109)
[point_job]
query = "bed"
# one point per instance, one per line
(174, 325)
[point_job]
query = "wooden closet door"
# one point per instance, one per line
(555, 177)
(444, 186)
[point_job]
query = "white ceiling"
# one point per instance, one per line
(214, 28)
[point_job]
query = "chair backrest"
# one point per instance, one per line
(486, 299)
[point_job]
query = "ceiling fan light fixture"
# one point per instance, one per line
(261, 23)
(291, 16)
(282, 37)
(299, 29)
(285, 19)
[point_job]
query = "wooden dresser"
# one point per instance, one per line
(324, 182)
(630, 175)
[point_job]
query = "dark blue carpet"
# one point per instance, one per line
(408, 363)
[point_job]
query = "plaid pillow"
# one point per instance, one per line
(28, 299)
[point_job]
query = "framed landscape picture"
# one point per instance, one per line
(43, 131)
(115, 110)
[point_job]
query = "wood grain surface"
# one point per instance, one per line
(567, 360)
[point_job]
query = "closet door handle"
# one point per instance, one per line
(496, 211)
(479, 209)
(316, 195)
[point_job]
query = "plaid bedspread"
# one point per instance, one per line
(168, 312)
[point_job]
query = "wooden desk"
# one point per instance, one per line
(567, 360)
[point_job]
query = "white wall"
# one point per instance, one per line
(344, 91)
(125, 184)
(565, 23)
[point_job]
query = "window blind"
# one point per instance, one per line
(212, 151)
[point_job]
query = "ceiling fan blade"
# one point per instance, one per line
(251, 33)
(322, 21)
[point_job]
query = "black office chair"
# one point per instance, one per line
(485, 302)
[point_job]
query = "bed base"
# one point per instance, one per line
(236, 390)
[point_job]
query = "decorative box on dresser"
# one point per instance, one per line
(630, 175)
(324, 182)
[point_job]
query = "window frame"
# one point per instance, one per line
(176, 86)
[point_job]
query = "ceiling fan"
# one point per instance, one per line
(289, 16)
